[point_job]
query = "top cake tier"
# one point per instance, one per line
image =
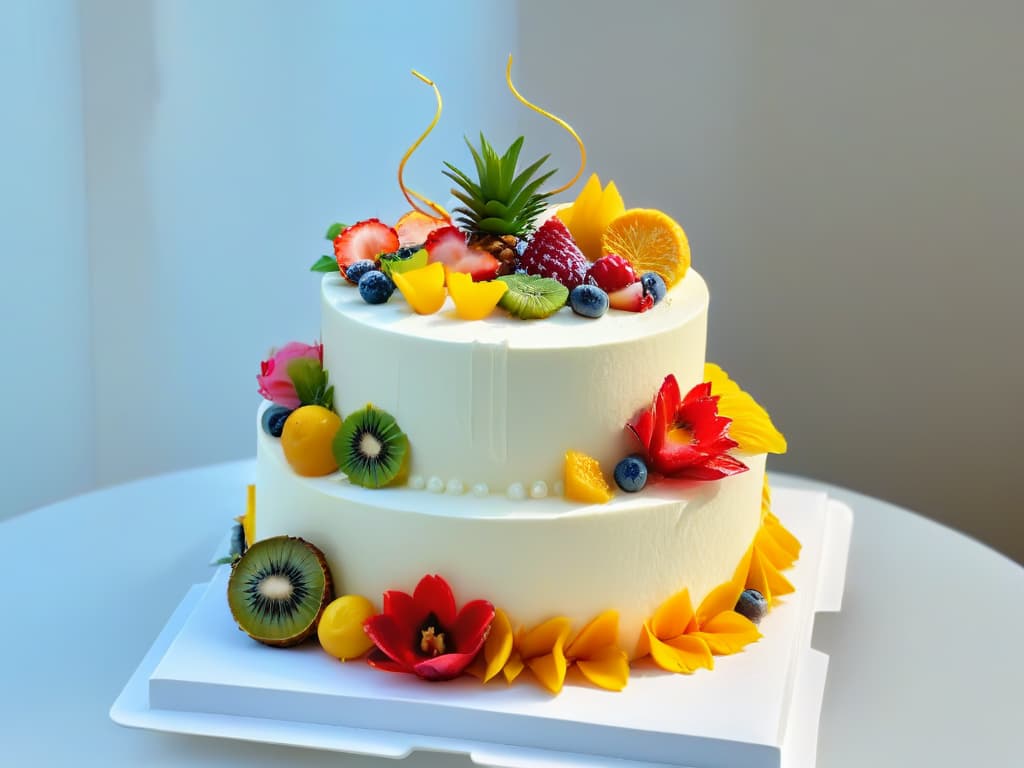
(500, 400)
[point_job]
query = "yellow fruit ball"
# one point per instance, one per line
(307, 438)
(341, 627)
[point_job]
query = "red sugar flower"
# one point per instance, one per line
(685, 437)
(422, 633)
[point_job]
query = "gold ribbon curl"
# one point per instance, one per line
(409, 193)
(549, 116)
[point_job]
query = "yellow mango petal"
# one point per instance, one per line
(728, 633)
(600, 632)
(474, 301)
(770, 549)
(611, 204)
(498, 646)
(672, 616)
(608, 669)
(248, 520)
(751, 426)
(684, 654)
(643, 642)
(544, 637)
(513, 667)
(719, 600)
(783, 537)
(422, 288)
(549, 669)
(777, 583)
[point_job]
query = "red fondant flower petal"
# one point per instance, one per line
(446, 666)
(401, 607)
(715, 468)
(433, 595)
(471, 625)
(378, 660)
(642, 428)
(393, 639)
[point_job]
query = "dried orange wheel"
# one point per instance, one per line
(651, 241)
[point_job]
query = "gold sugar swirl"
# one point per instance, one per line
(442, 214)
(549, 116)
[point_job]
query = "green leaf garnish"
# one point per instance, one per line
(334, 230)
(310, 380)
(325, 264)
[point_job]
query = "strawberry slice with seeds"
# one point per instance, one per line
(632, 298)
(448, 246)
(365, 240)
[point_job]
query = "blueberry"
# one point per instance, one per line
(631, 474)
(654, 285)
(274, 418)
(752, 605)
(588, 300)
(375, 287)
(357, 269)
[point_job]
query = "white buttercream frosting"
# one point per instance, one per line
(499, 401)
(536, 558)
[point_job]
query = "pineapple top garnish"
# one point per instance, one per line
(499, 202)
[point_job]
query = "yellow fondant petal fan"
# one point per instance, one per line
(598, 634)
(684, 654)
(608, 669)
(498, 646)
(673, 616)
(728, 633)
(751, 426)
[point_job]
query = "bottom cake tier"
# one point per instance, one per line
(533, 558)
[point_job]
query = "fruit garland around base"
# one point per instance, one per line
(280, 592)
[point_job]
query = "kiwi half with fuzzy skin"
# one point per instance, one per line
(278, 589)
(370, 447)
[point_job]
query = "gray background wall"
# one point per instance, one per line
(851, 176)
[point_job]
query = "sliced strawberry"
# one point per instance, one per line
(414, 227)
(611, 273)
(365, 240)
(632, 298)
(553, 253)
(448, 246)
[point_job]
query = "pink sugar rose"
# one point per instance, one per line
(275, 383)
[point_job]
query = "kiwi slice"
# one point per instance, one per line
(531, 297)
(370, 447)
(278, 589)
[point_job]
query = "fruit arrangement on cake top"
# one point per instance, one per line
(591, 255)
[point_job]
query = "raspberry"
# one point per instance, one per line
(611, 273)
(553, 253)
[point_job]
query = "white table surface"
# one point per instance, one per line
(927, 655)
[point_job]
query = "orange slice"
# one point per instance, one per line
(651, 241)
(474, 301)
(584, 480)
(423, 288)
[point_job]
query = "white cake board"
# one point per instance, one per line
(756, 709)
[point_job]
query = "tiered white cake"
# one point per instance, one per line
(490, 408)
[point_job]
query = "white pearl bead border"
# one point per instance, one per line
(517, 491)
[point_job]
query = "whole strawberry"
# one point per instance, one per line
(553, 253)
(611, 273)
